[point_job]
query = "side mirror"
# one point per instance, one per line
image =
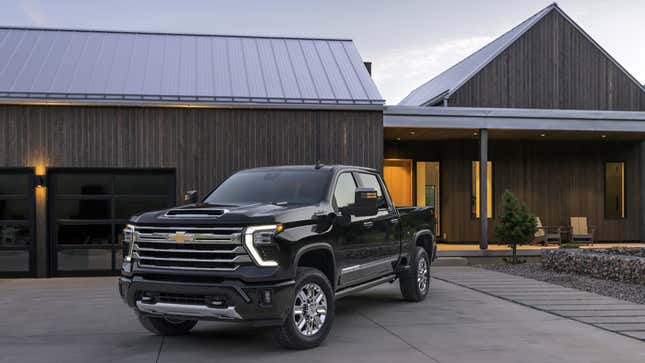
(365, 202)
(190, 197)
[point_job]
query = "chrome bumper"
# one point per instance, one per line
(197, 311)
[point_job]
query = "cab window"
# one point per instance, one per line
(345, 189)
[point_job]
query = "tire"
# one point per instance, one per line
(300, 330)
(415, 283)
(162, 326)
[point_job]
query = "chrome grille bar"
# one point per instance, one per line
(197, 248)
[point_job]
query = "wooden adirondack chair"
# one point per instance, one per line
(547, 234)
(580, 231)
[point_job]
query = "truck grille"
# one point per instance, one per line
(212, 249)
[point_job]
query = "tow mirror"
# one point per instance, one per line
(190, 197)
(365, 202)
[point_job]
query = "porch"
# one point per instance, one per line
(560, 163)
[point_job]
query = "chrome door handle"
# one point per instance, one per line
(394, 221)
(368, 224)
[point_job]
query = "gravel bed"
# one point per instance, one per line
(619, 290)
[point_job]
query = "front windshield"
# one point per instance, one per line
(272, 186)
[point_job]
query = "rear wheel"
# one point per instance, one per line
(415, 283)
(163, 326)
(311, 313)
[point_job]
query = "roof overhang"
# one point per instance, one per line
(513, 119)
(184, 103)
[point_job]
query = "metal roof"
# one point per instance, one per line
(125, 67)
(446, 83)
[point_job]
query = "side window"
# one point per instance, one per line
(371, 181)
(345, 188)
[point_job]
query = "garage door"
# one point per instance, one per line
(17, 242)
(88, 209)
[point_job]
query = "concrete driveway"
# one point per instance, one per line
(83, 320)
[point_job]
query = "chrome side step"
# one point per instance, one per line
(366, 285)
(197, 311)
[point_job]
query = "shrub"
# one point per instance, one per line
(516, 225)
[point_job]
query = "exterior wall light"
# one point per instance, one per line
(41, 181)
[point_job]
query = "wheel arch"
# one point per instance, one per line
(327, 264)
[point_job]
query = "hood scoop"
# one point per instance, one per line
(195, 213)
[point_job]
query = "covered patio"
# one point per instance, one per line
(560, 163)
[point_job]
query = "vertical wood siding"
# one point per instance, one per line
(552, 65)
(556, 180)
(204, 145)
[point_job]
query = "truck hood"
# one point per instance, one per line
(228, 215)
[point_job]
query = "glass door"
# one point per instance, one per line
(17, 216)
(88, 209)
(428, 187)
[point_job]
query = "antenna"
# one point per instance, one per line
(319, 164)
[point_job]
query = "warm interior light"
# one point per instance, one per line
(542, 135)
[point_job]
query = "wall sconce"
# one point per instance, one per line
(41, 181)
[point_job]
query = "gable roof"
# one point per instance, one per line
(446, 83)
(124, 67)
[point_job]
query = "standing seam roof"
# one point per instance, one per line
(62, 64)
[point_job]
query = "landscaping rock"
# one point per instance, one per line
(618, 264)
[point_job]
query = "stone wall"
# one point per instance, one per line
(619, 264)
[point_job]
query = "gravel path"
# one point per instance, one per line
(618, 290)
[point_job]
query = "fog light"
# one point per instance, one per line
(266, 297)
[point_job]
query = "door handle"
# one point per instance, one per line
(368, 224)
(394, 221)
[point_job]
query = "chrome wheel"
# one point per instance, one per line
(310, 309)
(423, 275)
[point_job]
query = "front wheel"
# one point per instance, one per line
(311, 313)
(415, 283)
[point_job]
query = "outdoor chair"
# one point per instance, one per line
(547, 234)
(580, 231)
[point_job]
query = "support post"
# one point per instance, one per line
(483, 187)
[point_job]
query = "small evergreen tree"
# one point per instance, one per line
(516, 225)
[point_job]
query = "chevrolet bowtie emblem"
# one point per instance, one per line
(180, 237)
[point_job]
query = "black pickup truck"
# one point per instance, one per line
(275, 246)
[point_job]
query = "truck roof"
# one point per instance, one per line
(335, 167)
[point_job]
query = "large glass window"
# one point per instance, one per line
(89, 208)
(614, 190)
(475, 190)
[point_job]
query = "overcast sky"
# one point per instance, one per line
(409, 41)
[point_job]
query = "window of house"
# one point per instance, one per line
(475, 189)
(614, 190)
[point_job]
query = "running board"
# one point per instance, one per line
(364, 286)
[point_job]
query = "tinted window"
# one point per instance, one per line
(84, 184)
(142, 184)
(272, 186)
(345, 189)
(83, 209)
(14, 209)
(14, 183)
(13, 236)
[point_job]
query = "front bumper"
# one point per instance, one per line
(229, 300)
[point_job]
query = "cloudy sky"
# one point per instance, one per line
(409, 41)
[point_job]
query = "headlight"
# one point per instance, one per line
(128, 242)
(259, 242)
